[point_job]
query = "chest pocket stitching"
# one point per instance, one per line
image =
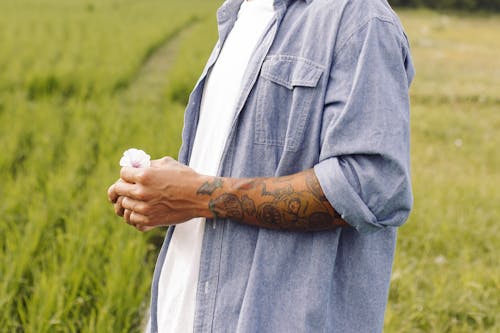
(300, 72)
(288, 72)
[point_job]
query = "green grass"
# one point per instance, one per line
(81, 81)
(455, 56)
(446, 275)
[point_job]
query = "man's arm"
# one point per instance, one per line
(170, 193)
(293, 202)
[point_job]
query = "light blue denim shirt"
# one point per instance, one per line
(326, 88)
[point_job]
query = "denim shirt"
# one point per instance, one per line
(326, 88)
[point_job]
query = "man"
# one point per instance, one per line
(297, 141)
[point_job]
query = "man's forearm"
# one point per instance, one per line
(294, 202)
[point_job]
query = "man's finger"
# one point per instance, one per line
(143, 228)
(137, 219)
(132, 175)
(134, 205)
(119, 209)
(132, 191)
(126, 216)
(112, 196)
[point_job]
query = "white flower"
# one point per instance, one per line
(459, 143)
(440, 260)
(135, 158)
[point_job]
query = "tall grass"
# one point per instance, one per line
(67, 264)
(84, 47)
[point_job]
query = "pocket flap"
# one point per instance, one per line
(291, 71)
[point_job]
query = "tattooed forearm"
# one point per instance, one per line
(294, 202)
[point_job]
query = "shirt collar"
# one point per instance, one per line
(229, 11)
(231, 7)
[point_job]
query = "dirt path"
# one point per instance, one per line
(151, 79)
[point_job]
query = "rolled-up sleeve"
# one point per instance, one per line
(364, 167)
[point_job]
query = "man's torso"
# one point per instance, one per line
(254, 279)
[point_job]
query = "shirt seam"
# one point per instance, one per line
(343, 45)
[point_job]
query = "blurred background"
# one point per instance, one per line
(83, 80)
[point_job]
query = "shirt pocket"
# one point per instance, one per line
(285, 96)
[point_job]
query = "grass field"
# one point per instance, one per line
(78, 81)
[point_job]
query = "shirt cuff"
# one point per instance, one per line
(343, 198)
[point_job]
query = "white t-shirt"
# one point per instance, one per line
(179, 275)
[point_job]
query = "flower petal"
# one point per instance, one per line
(136, 158)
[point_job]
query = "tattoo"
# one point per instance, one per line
(269, 214)
(226, 206)
(294, 206)
(208, 188)
(279, 192)
(248, 205)
(305, 209)
(313, 185)
(287, 203)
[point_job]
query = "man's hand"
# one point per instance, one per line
(163, 194)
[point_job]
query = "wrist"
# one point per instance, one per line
(204, 188)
